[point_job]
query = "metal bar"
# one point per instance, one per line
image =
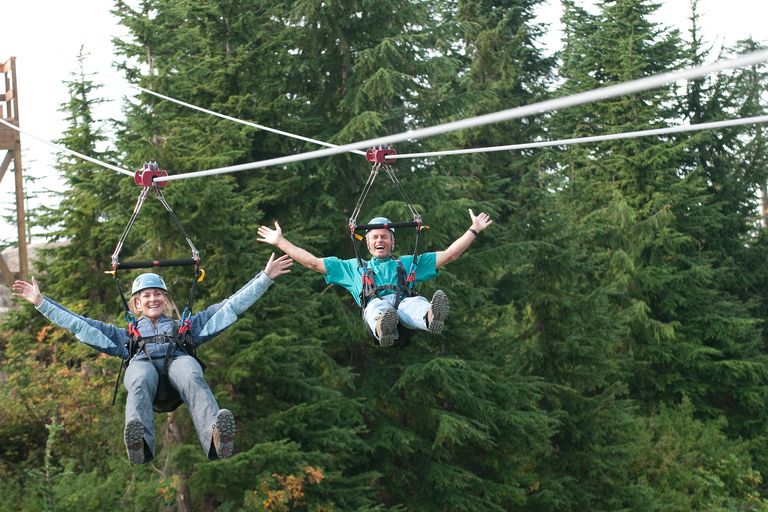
(158, 263)
(392, 225)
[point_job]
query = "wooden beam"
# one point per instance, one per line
(5, 273)
(14, 90)
(8, 95)
(5, 164)
(21, 217)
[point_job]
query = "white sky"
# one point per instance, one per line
(46, 36)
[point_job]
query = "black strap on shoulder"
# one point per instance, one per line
(370, 289)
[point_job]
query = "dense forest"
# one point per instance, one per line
(606, 348)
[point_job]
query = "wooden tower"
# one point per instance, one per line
(10, 141)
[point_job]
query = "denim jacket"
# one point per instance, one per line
(110, 339)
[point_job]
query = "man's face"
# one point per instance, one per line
(380, 243)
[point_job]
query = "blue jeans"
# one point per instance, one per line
(141, 378)
(411, 312)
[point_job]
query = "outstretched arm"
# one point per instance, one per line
(275, 237)
(209, 323)
(479, 223)
(103, 337)
(28, 291)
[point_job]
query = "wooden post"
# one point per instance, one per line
(10, 140)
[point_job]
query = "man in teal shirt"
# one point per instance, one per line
(380, 314)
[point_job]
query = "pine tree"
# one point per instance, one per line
(87, 217)
(587, 316)
(643, 214)
(308, 68)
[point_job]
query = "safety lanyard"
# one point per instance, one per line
(377, 157)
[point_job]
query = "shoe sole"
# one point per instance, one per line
(439, 309)
(387, 325)
(134, 441)
(225, 424)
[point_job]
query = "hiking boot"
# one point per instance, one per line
(385, 327)
(134, 440)
(438, 310)
(224, 434)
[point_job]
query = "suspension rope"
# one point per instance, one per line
(391, 173)
(67, 150)
(364, 194)
(217, 114)
(638, 85)
(611, 91)
(595, 138)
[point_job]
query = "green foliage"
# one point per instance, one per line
(694, 466)
(605, 347)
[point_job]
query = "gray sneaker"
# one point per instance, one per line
(438, 310)
(224, 434)
(385, 327)
(134, 440)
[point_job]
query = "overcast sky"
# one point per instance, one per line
(46, 36)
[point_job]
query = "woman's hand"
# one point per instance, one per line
(278, 266)
(28, 291)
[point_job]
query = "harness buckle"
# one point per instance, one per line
(132, 330)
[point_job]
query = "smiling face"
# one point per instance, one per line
(151, 303)
(380, 242)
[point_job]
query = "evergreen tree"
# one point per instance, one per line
(603, 347)
(88, 217)
(587, 316)
(312, 69)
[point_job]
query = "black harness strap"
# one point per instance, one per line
(167, 397)
(371, 289)
(402, 290)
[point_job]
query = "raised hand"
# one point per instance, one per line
(480, 221)
(28, 291)
(270, 236)
(276, 267)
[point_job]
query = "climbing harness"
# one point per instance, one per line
(371, 290)
(406, 281)
(167, 397)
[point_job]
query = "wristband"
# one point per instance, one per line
(472, 231)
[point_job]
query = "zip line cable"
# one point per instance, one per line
(67, 150)
(505, 115)
(611, 91)
(217, 114)
(596, 138)
(527, 145)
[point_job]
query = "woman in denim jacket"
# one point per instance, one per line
(149, 297)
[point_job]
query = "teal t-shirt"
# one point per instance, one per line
(345, 272)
